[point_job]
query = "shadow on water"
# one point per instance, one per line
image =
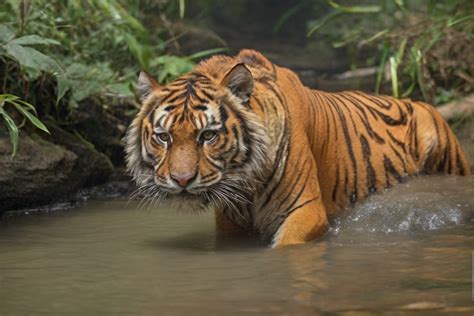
(209, 242)
(406, 250)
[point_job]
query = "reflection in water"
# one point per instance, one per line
(409, 248)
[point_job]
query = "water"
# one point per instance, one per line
(407, 250)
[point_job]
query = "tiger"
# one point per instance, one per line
(245, 138)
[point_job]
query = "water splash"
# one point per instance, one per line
(420, 205)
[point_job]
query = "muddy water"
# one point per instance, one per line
(407, 250)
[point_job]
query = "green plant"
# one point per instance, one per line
(25, 110)
(425, 48)
(89, 47)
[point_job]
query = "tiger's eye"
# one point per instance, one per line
(208, 136)
(164, 137)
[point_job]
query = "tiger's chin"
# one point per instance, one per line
(187, 203)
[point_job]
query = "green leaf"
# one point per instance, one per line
(33, 40)
(28, 105)
(8, 97)
(355, 9)
(64, 85)
(30, 57)
(33, 119)
(326, 19)
(393, 72)
(139, 51)
(460, 20)
(182, 7)
(83, 89)
(120, 89)
(12, 130)
(381, 69)
(6, 33)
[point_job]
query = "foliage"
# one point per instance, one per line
(89, 47)
(24, 109)
(425, 47)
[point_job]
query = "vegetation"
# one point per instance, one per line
(26, 110)
(425, 47)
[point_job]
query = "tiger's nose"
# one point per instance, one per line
(183, 179)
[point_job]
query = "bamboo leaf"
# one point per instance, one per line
(12, 130)
(33, 119)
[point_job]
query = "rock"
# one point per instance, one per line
(93, 167)
(48, 169)
(102, 129)
(39, 173)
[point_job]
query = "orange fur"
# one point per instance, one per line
(298, 155)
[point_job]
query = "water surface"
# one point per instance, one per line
(407, 250)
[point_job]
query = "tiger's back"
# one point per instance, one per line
(363, 143)
(378, 141)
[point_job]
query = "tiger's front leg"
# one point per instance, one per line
(306, 222)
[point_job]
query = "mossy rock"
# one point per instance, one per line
(48, 169)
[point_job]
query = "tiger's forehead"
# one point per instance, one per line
(191, 88)
(188, 99)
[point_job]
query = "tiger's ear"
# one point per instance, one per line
(239, 80)
(146, 85)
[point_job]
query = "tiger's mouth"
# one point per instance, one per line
(186, 201)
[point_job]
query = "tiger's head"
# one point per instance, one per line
(196, 142)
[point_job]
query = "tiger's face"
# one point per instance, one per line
(199, 142)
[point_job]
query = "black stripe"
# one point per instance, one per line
(169, 108)
(237, 141)
(396, 141)
(371, 177)
(223, 114)
(172, 98)
(213, 164)
(289, 209)
(364, 119)
(402, 161)
(301, 205)
(206, 94)
(200, 107)
(350, 149)
(390, 168)
(295, 180)
(459, 163)
(334, 191)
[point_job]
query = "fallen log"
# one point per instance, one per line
(459, 108)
